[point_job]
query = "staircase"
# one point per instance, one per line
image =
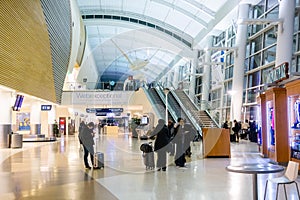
(201, 116)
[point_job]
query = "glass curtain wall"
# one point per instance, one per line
(296, 42)
(260, 57)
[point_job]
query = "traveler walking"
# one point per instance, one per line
(87, 140)
(161, 144)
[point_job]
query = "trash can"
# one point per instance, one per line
(16, 141)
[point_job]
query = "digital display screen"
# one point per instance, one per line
(18, 103)
(145, 120)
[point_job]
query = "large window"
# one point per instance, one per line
(270, 37)
(256, 44)
(269, 55)
(271, 3)
(297, 67)
(258, 10)
(273, 14)
(229, 59)
(254, 79)
(255, 61)
(229, 72)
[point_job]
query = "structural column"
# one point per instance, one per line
(238, 69)
(6, 101)
(206, 75)
(284, 50)
(193, 75)
(51, 120)
(176, 77)
(35, 119)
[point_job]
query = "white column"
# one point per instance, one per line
(238, 69)
(51, 120)
(284, 49)
(176, 77)
(169, 81)
(206, 75)
(6, 102)
(193, 75)
(35, 119)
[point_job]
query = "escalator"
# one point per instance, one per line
(175, 108)
(157, 103)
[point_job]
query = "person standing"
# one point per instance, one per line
(55, 129)
(81, 125)
(225, 125)
(245, 129)
(236, 128)
(87, 140)
(171, 128)
(179, 140)
(161, 144)
(99, 127)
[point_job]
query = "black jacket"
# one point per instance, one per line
(161, 132)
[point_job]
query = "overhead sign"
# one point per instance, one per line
(46, 107)
(90, 110)
(104, 110)
(97, 98)
(109, 110)
(100, 113)
(278, 74)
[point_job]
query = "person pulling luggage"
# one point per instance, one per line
(161, 144)
(86, 139)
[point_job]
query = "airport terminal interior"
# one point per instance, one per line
(112, 73)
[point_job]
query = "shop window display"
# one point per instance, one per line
(270, 125)
(294, 121)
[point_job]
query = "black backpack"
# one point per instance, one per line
(146, 147)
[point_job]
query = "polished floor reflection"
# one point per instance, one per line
(55, 170)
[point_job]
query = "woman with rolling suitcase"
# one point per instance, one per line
(161, 132)
(87, 141)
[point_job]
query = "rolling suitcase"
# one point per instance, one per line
(99, 160)
(149, 160)
(148, 155)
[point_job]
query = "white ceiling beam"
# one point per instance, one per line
(219, 16)
(202, 8)
(183, 11)
(149, 19)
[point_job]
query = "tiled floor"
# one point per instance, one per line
(55, 170)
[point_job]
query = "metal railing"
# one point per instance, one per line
(186, 111)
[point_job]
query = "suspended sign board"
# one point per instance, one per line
(46, 107)
(97, 98)
(278, 74)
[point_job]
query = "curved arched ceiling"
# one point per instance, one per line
(123, 31)
(115, 54)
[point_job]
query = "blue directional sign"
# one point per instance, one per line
(46, 107)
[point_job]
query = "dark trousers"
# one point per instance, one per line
(161, 159)
(180, 155)
(85, 157)
(236, 135)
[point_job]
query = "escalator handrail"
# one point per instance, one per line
(149, 96)
(187, 112)
(162, 97)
